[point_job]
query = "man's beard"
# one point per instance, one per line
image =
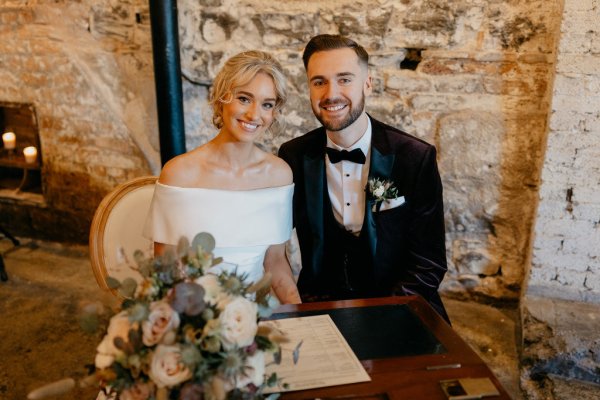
(335, 126)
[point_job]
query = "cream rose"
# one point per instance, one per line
(212, 288)
(166, 368)
(139, 391)
(238, 323)
(161, 320)
(119, 326)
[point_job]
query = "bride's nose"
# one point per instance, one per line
(253, 112)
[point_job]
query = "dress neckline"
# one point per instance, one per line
(291, 185)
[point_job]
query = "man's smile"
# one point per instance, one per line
(334, 107)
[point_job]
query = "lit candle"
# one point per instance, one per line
(10, 140)
(30, 154)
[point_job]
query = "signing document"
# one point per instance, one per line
(322, 355)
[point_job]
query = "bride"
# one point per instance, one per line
(229, 187)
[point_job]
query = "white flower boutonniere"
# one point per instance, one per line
(381, 190)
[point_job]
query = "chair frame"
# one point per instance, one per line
(97, 228)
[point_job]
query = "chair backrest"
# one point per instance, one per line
(116, 231)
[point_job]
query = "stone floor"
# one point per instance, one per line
(49, 284)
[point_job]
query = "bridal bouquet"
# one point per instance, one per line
(184, 333)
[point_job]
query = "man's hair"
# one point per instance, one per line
(332, 42)
(238, 71)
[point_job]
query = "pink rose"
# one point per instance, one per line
(161, 320)
(166, 368)
(139, 391)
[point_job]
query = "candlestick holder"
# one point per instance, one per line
(10, 153)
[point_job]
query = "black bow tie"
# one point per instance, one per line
(356, 155)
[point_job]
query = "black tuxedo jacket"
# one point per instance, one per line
(407, 242)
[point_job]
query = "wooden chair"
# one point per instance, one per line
(116, 231)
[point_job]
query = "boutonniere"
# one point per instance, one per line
(380, 190)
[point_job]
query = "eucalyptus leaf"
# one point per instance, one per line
(277, 356)
(205, 240)
(89, 322)
(139, 257)
(273, 396)
(128, 287)
(139, 312)
(145, 269)
(112, 283)
(272, 380)
(296, 352)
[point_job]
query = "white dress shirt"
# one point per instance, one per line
(346, 182)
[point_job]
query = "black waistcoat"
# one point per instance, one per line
(347, 261)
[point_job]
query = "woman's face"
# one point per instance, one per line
(251, 110)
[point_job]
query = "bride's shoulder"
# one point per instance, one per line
(278, 170)
(180, 170)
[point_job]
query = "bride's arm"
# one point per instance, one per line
(282, 279)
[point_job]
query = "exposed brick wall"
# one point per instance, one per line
(480, 94)
(566, 253)
(79, 64)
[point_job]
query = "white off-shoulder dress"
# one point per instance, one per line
(244, 223)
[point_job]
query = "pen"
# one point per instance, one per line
(444, 366)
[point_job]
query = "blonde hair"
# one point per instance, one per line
(238, 71)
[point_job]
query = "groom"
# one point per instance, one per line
(358, 243)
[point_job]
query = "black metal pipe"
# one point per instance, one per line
(167, 78)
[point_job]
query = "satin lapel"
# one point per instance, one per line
(381, 167)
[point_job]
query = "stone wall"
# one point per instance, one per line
(86, 68)
(473, 77)
(479, 92)
(566, 254)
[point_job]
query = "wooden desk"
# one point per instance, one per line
(416, 372)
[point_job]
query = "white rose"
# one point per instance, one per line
(212, 288)
(119, 326)
(166, 368)
(238, 323)
(379, 191)
(255, 373)
(162, 319)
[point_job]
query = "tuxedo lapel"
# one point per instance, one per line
(382, 162)
(313, 163)
(314, 172)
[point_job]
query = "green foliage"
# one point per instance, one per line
(89, 322)
(128, 287)
(112, 283)
(203, 242)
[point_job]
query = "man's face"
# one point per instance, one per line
(338, 86)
